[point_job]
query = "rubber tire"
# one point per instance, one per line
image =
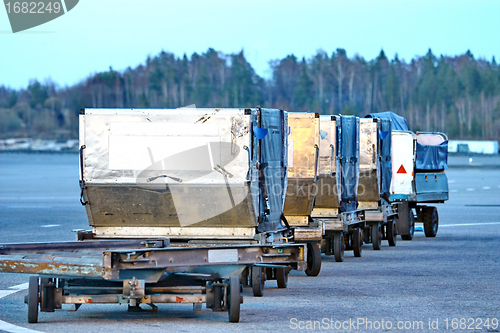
(376, 236)
(391, 233)
(33, 300)
(356, 243)
(411, 222)
(338, 246)
(233, 299)
(257, 281)
(313, 259)
(431, 221)
(282, 277)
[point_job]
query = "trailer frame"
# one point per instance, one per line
(142, 271)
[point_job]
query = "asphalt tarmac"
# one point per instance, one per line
(448, 283)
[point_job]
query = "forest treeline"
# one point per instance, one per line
(457, 95)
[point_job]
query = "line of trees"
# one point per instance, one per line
(458, 95)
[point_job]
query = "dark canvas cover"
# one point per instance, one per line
(349, 150)
(398, 123)
(385, 155)
(432, 157)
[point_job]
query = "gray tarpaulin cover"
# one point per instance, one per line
(398, 123)
(432, 157)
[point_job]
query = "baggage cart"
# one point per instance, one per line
(374, 182)
(419, 161)
(196, 176)
(419, 179)
(302, 171)
(209, 183)
(336, 204)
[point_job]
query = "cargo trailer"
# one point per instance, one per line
(419, 161)
(336, 203)
(181, 203)
(302, 176)
(375, 180)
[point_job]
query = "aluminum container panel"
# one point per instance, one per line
(184, 168)
(327, 194)
(327, 143)
(369, 160)
(303, 162)
(188, 143)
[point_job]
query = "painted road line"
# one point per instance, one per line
(50, 225)
(14, 289)
(7, 327)
(21, 286)
(470, 189)
(467, 224)
(4, 293)
(486, 188)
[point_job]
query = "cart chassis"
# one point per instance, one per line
(141, 271)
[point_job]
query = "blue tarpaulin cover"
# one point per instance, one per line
(349, 163)
(269, 173)
(428, 157)
(398, 123)
(432, 157)
(385, 155)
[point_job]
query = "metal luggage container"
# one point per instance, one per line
(303, 159)
(424, 156)
(197, 176)
(302, 172)
(419, 163)
(327, 195)
(210, 183)
(336, 199)
(369, 161)
(184, 173)
(374, 181)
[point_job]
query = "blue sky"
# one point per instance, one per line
(98, 34)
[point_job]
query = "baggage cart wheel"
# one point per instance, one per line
(356, 242)
(257, 281)
(391, 233)
(376, 236)
(411, 226)
(313, 259)
(282, 277)
(233, 299)
(338, 246)
(431, 221)
(33, 300)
